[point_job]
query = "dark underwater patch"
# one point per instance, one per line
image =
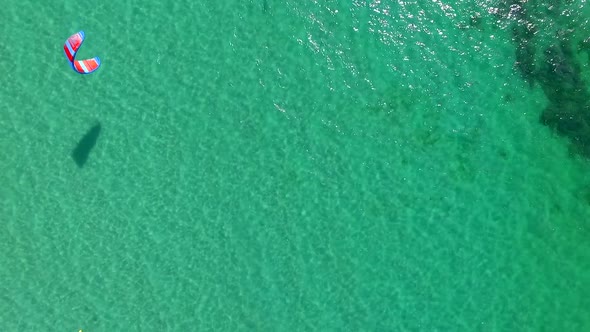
(556, 70)
(568, 112)
(85, 145)
(525, 53)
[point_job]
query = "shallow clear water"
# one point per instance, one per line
(289, 166)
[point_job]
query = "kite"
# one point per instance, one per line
(71, 47)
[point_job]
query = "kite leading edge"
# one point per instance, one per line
(71, 47)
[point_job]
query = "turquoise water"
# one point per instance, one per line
(288, 166)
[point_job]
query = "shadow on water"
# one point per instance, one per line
(85, 145)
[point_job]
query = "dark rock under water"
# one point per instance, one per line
(85, 145)
(525, 53)
(560, 77)
(568, 112)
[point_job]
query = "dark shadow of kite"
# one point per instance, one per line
(85, 145)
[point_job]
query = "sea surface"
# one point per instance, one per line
(294, 165)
